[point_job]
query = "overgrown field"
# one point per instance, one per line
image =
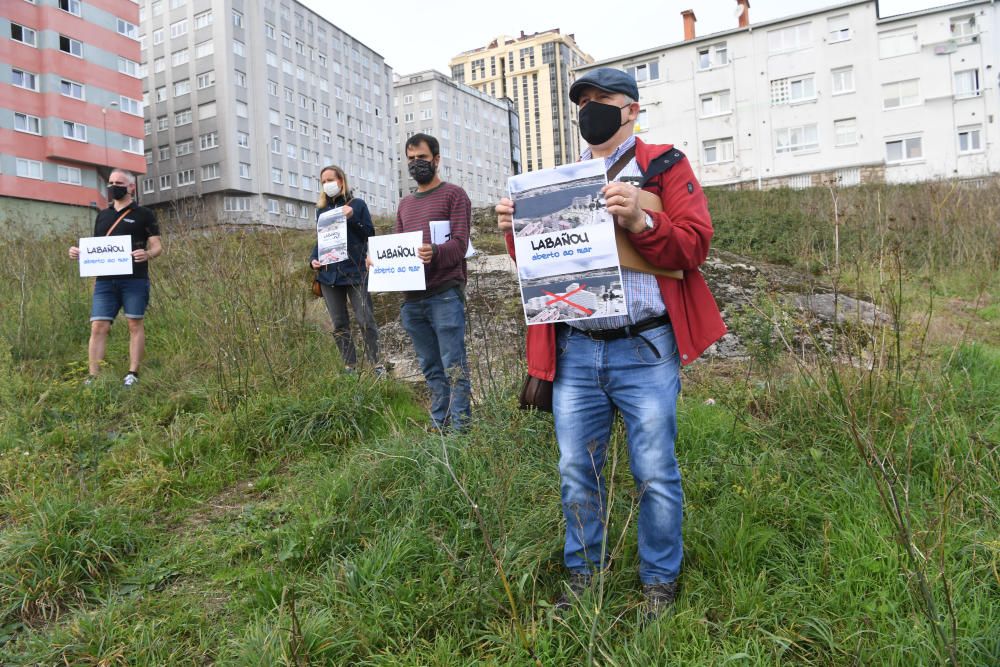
(250, 504)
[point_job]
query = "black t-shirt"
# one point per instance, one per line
(139, 223)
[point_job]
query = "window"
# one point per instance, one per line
(272, 206)
(133, 145)
(967, 83)
(242, 110)
(208, 140)
(159, 65)
(845, 132)
(70, 175)
(75, 47)
(29, 168)
(796, 139)
(178, 28)
(130, 106)
(28, 80)
(182, 87)
(898, 42)
(641, 125)
(239, 48)
(970, 139)
(843, 80)
(71, 6)
(426, 114)
(176, 4)
(179, 57)
(905, 149)
(714, 104)
(165, 182)
(184, 148)
(407, 117)
(234, 204)
(272, 88)
(242, 139)
(237, 19)
(269, 31)
(182, 118)
(162, 123)
(71, 89)
(289, 209)
(793, 89)
(276, 145)
(203, 20)
(963, 26)
(158, 36)
(147, 186)
(185, 177)
(293, 179)
(74, 131)
(204, 49)
(24, 35)
(718, 150)
(27, 123)
(161, 94)
(240, 78)
(244, 170)
(276, 175)
(206, 79)
(792, 37)
(272, 58)
(901, 94)
(163, 153)
(839, 28)
(129, 67)
(149, 157)
(206, 110)
(645, 71)
(210, 172)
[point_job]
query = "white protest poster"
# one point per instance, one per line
(106, 256)
(441, 232)
(331, 236)
(396, 267)
(567, 259)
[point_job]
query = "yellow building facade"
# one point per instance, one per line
(535, 71)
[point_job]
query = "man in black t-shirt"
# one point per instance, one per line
(128, 292)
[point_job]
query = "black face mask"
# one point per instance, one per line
(422, 171)
(599, 122)
(117, 191)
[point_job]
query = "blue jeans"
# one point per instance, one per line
(595, 379)
(128, 294)
(437, 328)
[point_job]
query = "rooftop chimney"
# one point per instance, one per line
(744, 5)
(689, 21)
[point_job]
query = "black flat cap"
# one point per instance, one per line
(608, 79)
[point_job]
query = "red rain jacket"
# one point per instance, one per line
(680, 240)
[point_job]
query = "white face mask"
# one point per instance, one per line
(331, 188)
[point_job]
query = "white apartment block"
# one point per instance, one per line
(478, 134)
(245, 102)
(835, 95)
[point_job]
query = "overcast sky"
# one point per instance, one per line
(414, 36)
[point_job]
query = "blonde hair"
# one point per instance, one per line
(345, 189)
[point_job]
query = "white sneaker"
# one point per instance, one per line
(131, 379)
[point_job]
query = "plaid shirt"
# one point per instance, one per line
(642, 293)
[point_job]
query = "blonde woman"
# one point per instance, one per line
(348, 279)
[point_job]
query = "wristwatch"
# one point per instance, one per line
(649, 223)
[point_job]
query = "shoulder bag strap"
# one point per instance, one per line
(124, 213)
(621, 163)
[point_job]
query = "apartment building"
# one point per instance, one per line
(535, 71)
(246, 100)
(70, 100)
(840, 95)
(478, 133)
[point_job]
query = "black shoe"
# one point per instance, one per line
(657, 599)
(574, 586)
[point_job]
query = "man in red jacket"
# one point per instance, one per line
(629, 364)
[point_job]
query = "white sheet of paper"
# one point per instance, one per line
(331, 236)
(441, 232)
(396, 267)
(106, 256)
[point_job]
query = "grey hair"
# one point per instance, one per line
(129, 176)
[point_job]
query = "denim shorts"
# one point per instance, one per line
(128, 294)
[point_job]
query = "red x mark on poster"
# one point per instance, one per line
(557, 298)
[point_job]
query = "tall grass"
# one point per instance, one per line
(250, 504)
